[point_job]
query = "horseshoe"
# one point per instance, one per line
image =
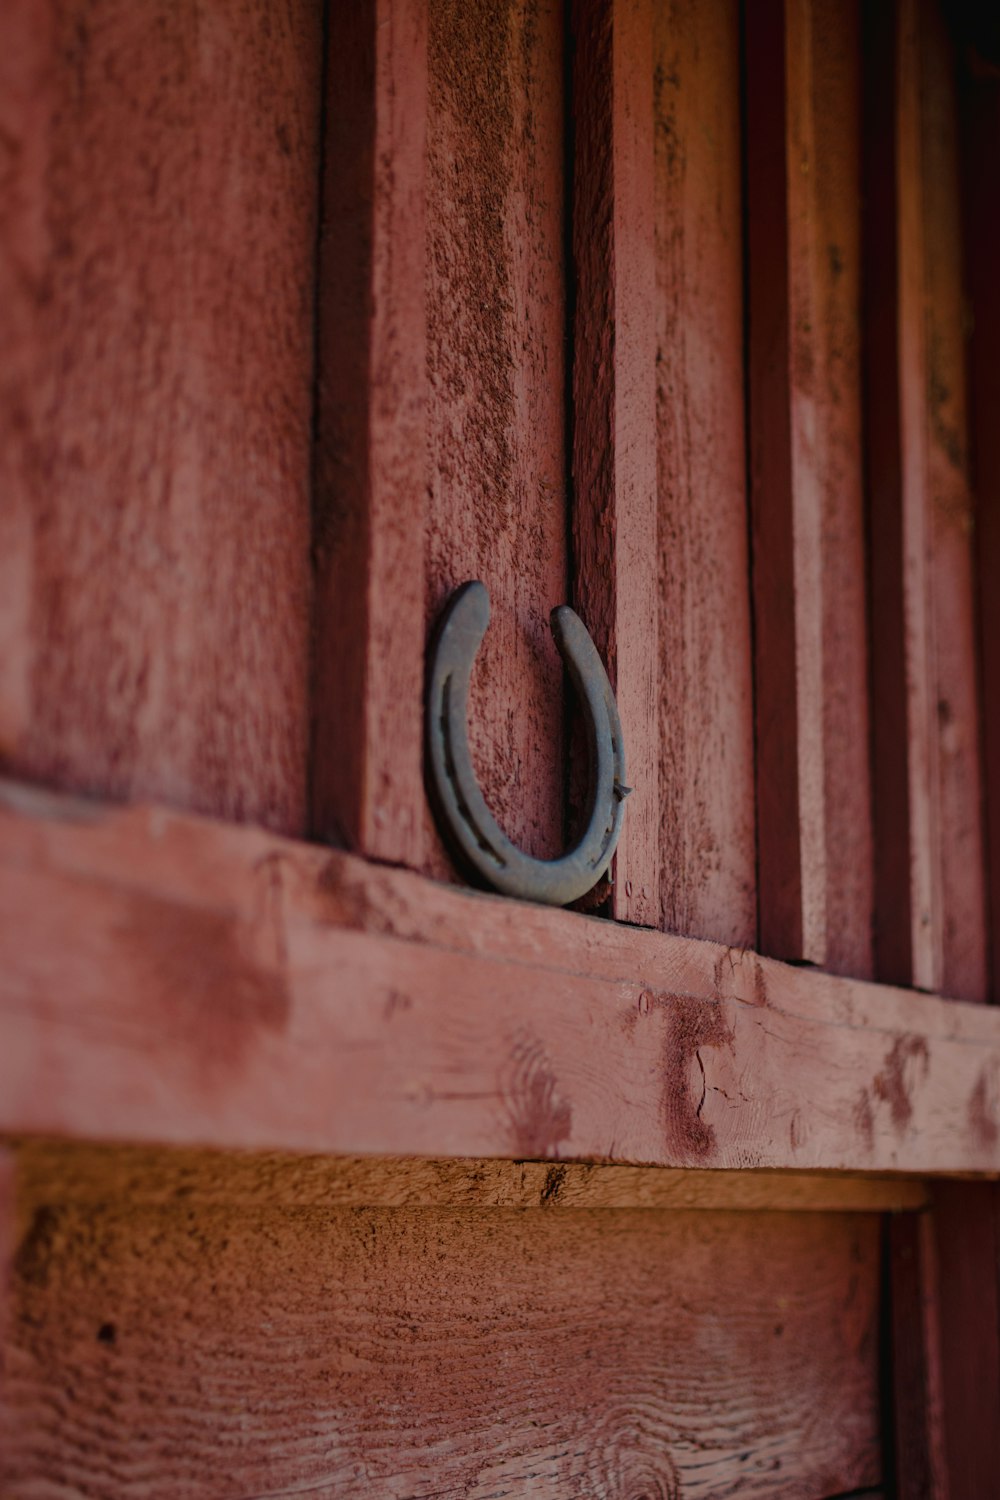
(464, 820)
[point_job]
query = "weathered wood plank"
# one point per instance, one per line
(75, 1172)
(707, 818)
(914, 1441)
(438, 1352)
(945, 1345)
(8, 1239)
(933, 930)
(803, 201)
(156, 289)
(371, 459)
(967, 1265)
(496, 339)
(167, 979)
(981, 142)
(615, 548)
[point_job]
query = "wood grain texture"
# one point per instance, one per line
(80, 1172)
(163, 978)
(707, 816)
(371, 440)
(935, 933)
(156, 287)
(803, 199)
(496, 332)
(615, 544)
(435, 1352)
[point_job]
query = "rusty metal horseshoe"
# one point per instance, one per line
(464, 820)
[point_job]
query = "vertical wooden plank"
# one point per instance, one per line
(890, 750)
(921, 530)
(614, 404)
(371, 462)
(496, 331)
(811, 667)
(7, 1241)
(981, 142)
(915, 1442)
(945, 1345)
(707, 816)
(157, 253)
(967, 1255)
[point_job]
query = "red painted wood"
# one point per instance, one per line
(967, 1253)
(496, 338)
(883, 440)
(221, 1350)
(371, 462)
(441, 453)
(915, 1437)
(156, 274)
(981, 141)
(163, 978)
(615, 541)
(814, 799)
(922, 525)
(707, 819)
(7, 1250)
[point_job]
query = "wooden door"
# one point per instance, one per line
(322, 1173)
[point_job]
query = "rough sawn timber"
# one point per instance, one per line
(165, 978)
(157, 263)
(815, 856)
(257, 1351)
(83, 1172)
(704, 739)
(614, 403)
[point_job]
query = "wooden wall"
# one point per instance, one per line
(653, 305)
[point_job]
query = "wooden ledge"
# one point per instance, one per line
(168, 979)
(79, 1172)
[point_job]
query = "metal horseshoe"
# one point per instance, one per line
(465, 821)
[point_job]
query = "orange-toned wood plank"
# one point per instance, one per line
(707, 819)
(168, 979)
(496, 337)
(81, 1172)
(935, 932)
(156, 272)
(803, 197)
(371, 459)
(259, 1351)
(981, 141)
(615, 544)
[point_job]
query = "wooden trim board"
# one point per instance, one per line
(52, 1171)
(165, 978)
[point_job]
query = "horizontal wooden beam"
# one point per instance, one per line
(52, 1171)
(164, 978)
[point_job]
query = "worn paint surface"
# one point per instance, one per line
(614, 415)
(419, 1350)
(156, 287)
(707, 831)
(429, 1021)
(496, 332)
(803, 202)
